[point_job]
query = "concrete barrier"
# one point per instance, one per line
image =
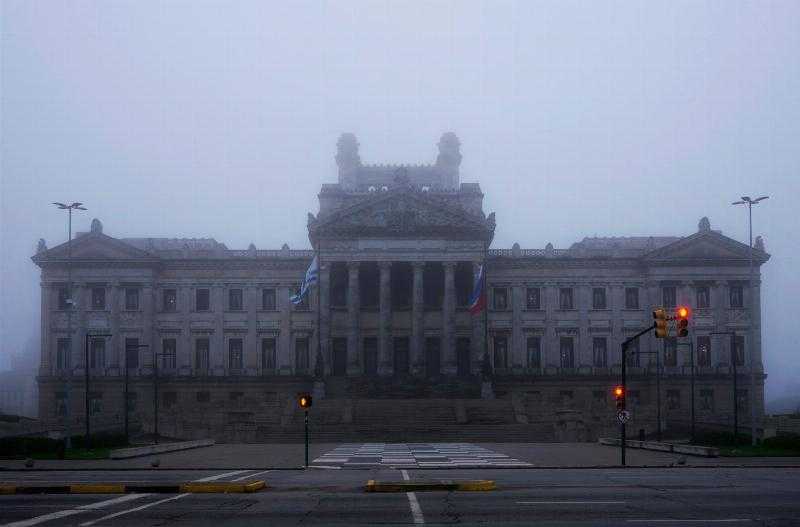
(125, 453)
(690, 450)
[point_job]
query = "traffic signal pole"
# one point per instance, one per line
(306, 438)
(624, 382)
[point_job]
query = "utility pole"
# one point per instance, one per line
(746, 200)
(70, 307)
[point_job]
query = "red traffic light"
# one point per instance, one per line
(304, 400)
(682, 312)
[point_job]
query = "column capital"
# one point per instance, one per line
(449, 265)
(418, 265)
(385, 264)
(353, 265)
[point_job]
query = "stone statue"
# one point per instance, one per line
(704, 225)
(759, 244)
(42, 246)
(449, 159)
(97, 226)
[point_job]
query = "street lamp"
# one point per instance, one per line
(86, 338)
(70, 304)
(750, 202)
(128, 348)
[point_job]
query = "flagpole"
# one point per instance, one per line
(319, 305)
(486, 300)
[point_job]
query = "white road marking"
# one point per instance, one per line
(159, 502)
(571, 502)
(70, 512)
(251, 475)
(416, 510)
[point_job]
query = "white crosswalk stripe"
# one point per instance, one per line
(416, 455)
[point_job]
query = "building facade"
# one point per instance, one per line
(211, 335)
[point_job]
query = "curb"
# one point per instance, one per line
(118, 488)
(480, 485)
(149, 450)
(689, 450)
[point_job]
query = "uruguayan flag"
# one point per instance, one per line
(312, 277)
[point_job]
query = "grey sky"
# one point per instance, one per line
(577, 118)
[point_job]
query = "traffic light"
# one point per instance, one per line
(660, 316)
(304, 400)
(682, 321)
(619, 397)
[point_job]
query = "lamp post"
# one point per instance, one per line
(691, 397)
(71, 304)
(86, 337)
(128, 348)
(735, 383)
(750, 202)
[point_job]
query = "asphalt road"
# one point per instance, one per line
(635, 496)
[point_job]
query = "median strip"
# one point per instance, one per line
(216, 487)
(422, 486)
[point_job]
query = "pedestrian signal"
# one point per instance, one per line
(660, 317)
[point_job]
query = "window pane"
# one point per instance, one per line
(670, 352)
(98, 298)
(703, 298)
(600, 346)
(301, 354)
(268, 299)
(97, 357)
(565, 298)
(131, 299)
(203, 300)
(533, 299)
(235, 301)
(500, 298)
(268, 349)
(668, 296)
(235, 351)
(500, 352)
(567, 348)
(704, 351)
(168, 353)
(132, 352)
(170, 299)
(534, 352)
(599, 298)
(201, 346)
(631, 298)
(737, 296)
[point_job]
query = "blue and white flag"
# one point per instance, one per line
(312, 277)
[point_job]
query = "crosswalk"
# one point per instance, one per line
(416, 455)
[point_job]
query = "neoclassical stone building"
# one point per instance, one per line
(398, 248)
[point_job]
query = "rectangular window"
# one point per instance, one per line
(131, 353)
(235, 354)
(202, 300)
(268, 299)
(301, 354)
(97, 357)
(668, 296)
(370, 355)
(703, 297)
(634, 397)
(565, 298)
(704, 351)
(63, 355)
(707, 400)
(599, 298)
(736, 296)
(201, 346)
(599, 397)
(500, 352)
(500, 296)
(235, 300)
(631, 298)
(98, 298)
(95, 403)
(600, 351)
(670, 352)
(170, 303)
(203, 397)
(169, 400)
(61, 404)
(131, 299)
(737, 349)
(567, 349)
(268, 352)
(533, 298)
(632, 353)
(534, 345)
(169, 352)
(133, 398)
(673, 399)
(63, 298)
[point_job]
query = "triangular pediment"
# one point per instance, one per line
(94, 246)
(706, 245)
(402, 213)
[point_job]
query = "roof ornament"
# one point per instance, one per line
(347, 159)
(449, 159)
(759, 244)
(42, 246)
(97, 226)
(285, 247)
(401, 178)
(516, 252)
(704, 225)
(548, 249)
(251, 249)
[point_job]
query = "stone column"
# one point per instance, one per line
(753, 356)
(148, 335)
(83, 298)
(186, 357)
(218, 351)
(385, 365)
(418, 320)
(583, 350)
(478, 337)
(353, 315)
(251, 350)
(116, 342)
(324, 318)
(518, 348)
(46, 363)
(285, 360)
(449, 366)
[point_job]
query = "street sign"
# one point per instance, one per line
(623, 416)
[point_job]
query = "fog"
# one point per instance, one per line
(202, 119)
